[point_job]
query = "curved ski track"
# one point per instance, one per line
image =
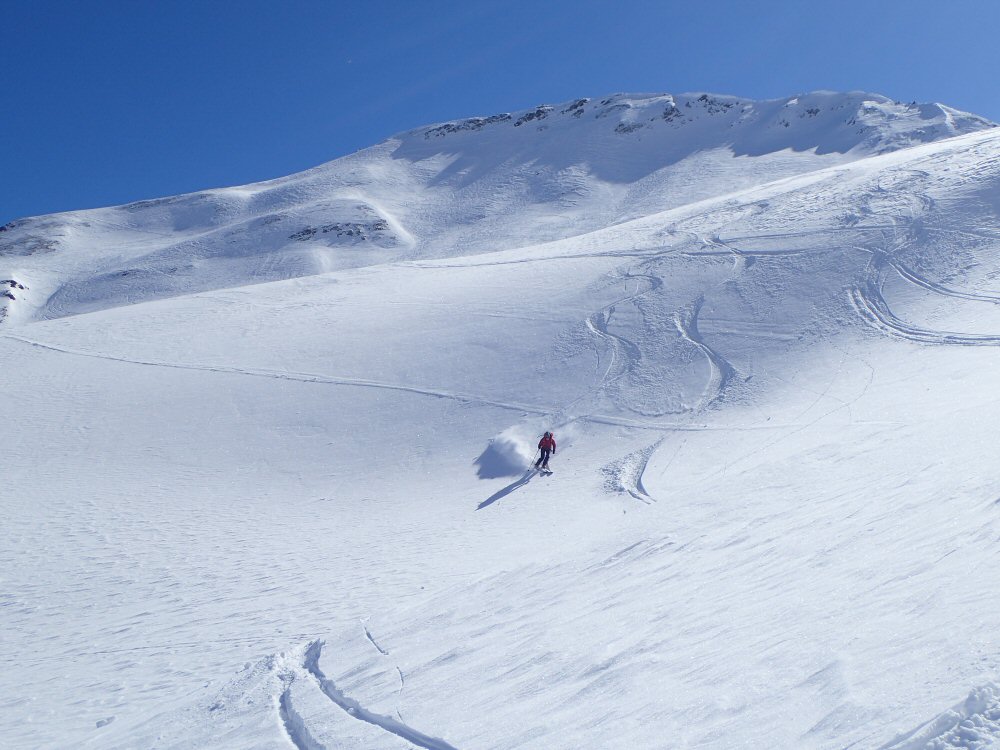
(357, 711)
(722, 371)
(870, 302)
(867, 296)
(293, 723)
(625, 475)
(623, 352)
(904, 209)
(308, 675)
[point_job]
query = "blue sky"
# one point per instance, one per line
(106, 102)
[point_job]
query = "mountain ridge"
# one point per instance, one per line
(452, 189)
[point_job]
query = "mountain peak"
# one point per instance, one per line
(824, 121)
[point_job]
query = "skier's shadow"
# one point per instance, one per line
(508, 489)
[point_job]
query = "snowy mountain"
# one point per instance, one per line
(266, 451)
(459, 188)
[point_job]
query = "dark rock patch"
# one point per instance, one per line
(472, 124)
(539, 113)
(576, 108)
(354, 229)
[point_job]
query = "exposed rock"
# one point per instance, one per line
(354, 229)
(537, 114)
(29, 245)
(714, 106)
(612, 110)
(576, 108)
(12, 225)
(472, 124)
(672, 112)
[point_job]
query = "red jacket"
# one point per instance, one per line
(547, 444)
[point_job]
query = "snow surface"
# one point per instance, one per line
(265, 451)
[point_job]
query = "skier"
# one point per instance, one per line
(546, 445)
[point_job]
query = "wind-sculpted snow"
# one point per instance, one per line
(300, 513)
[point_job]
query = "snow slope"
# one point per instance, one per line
(459, 188)
(266, 446)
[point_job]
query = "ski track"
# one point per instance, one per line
(639, 491)
(621, 349)
(626, 474)
(372, 640)
(867, 296)
(870, 303)
(721, 371)
(399, 672)
(357, 711)
(661, 427)
(295, 727)
(362, 383)
(597, 324)
(741, 260)
(399, 693)
(301, 377)
(931, 286)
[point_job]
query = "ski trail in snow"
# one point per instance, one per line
(868, 297)
(301, 377)
(871, 304)
(363, 383)
(293, 723)
(623, 353)
(399, 672)
(675, 427)
(597, 324)
(638, 491)
(625, 475)
(932, 286)
(399, 693)
(357, 711)
(721, 371)
(371, 639)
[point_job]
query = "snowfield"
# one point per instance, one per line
(265, 452)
